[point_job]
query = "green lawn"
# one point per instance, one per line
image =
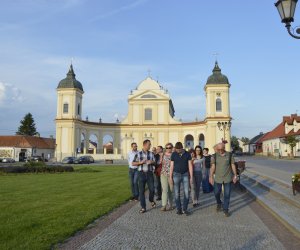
(40, 210)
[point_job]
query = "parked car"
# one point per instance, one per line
(82, 160)
(69, 160)
(90, 158)
(8, 160)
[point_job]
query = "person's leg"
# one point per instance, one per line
(217, 191)
(186, 184)
(131, 181)
(193, 190)
(164, 185)
(142, 183)
(136, 184)
(170, 194)
(177, 180)
(158, 188)
(227, 191)
(198, 185)
(150, 184)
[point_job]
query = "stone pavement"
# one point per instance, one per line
(203, 229)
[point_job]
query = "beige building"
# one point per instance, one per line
(150, 116)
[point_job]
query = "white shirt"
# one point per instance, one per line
(130, 158)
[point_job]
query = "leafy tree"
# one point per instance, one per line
(245, 140)
(27, 126)
(292, 141)
(235, 143)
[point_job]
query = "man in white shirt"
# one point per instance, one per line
(133, 173)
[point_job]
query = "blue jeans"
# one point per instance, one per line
(133, 179)
(227, 191)
(146, 177)
(184, 178)
(196, 186)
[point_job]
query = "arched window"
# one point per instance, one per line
(148, 114)
(66, 108)
(78, 109)
(218, 105)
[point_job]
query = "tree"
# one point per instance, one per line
(292, 141)
(245, 140)
(27, 126)
(235, 143)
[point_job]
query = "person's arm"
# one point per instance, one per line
(191, 171)
(233, 170)
(137, 162)
(212, 171)
(171, 171)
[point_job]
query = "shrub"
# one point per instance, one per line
(36, 167)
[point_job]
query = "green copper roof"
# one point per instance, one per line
(217, 77)
(70, 81)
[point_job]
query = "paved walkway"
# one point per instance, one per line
(203, 229)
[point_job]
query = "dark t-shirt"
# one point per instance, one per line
(181, 162)
(207, 161)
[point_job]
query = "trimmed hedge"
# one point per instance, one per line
(36, 167)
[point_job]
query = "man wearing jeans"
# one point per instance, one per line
(222, 166)
(145, 162)
(181, 170)
(133, 173)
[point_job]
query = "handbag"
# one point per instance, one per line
(158, 169)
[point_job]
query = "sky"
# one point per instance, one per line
(113, 44)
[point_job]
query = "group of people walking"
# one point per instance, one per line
(165, 171)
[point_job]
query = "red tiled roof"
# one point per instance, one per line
(22, 141)
(262, 138)
(279, 132)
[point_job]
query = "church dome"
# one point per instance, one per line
(217, 77)
(70, 81)
(149, 84)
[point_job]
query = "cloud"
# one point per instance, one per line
(118, 10)
(10, 93)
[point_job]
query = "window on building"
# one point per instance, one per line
(218, 105)
(66, 108)
(78, 109)
(148, 114)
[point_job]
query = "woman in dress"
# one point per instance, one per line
(167, 187)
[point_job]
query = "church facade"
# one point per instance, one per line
(150, 116)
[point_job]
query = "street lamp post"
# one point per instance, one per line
(286, 9)
(224, 126)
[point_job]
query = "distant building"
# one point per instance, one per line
(151, 115)
(273, 142)
(18, 147)
(254, 145)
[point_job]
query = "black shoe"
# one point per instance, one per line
(186, 213)
(226, 213)
(219, 207)
(158, 198)
(179, 212)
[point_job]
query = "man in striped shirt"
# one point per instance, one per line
(145, 162)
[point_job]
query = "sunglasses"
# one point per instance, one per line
(168, 147)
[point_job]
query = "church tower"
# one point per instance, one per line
(69, 110)
(217, 108)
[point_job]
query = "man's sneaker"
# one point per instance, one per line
(158, 198)
(179, 212)
(226, 213)
(186, 213)
(219, 207)
(131, 198)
